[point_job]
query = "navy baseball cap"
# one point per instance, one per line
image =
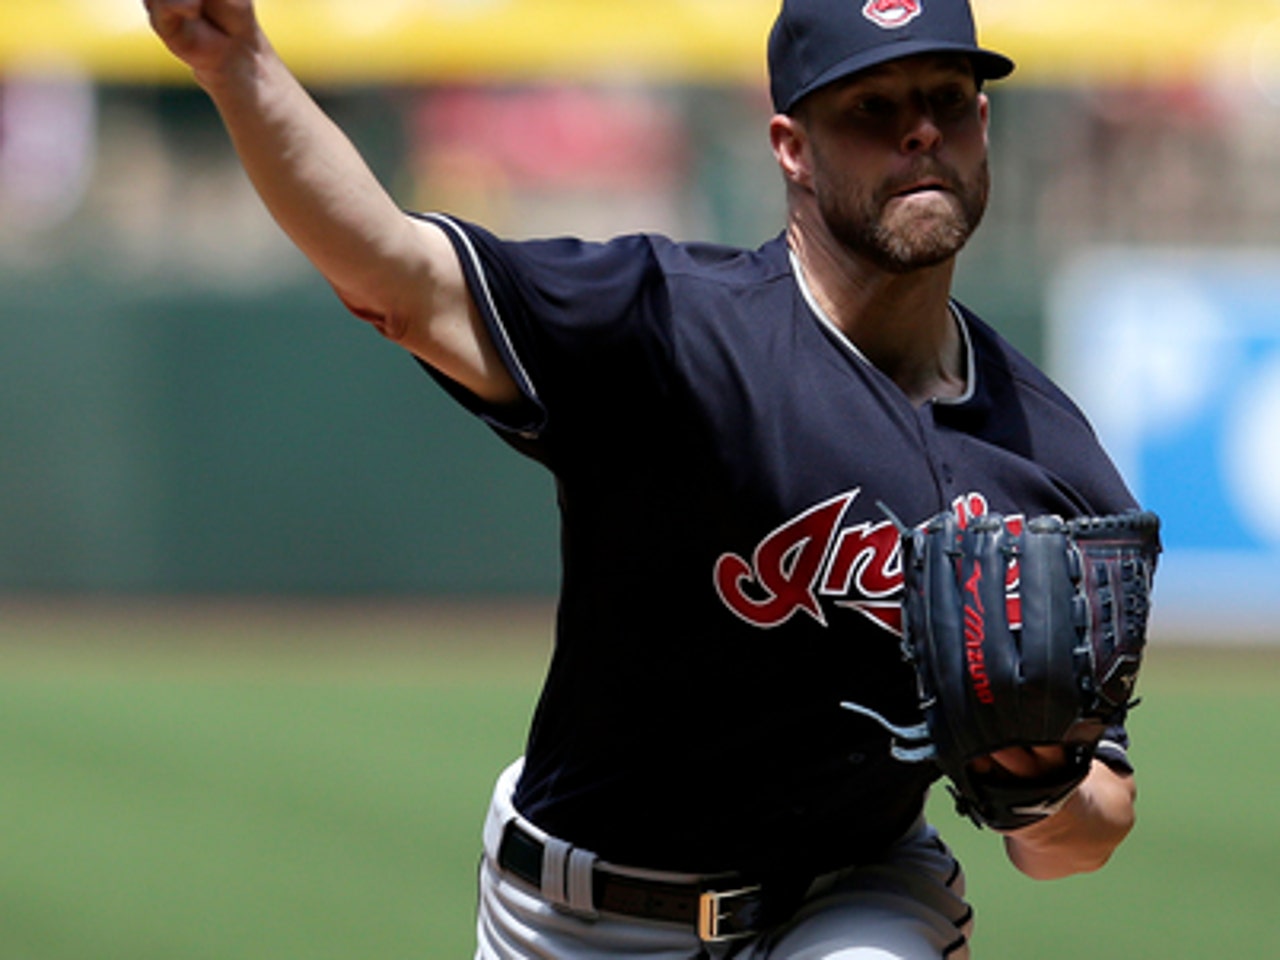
(816, 42)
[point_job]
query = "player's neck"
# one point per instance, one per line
(902, 323)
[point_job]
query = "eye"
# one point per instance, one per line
(950, 101)
(874, 106)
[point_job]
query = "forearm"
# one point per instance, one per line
(316, 185)
(1082, 835)
(395, 271)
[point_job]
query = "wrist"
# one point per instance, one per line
(241, 75)
(1045, 812)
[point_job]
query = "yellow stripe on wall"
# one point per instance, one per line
(1054, 41)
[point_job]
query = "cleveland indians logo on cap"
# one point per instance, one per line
(891, 14)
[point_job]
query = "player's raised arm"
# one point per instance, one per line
(399, 273)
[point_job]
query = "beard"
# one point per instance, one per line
(905, 236)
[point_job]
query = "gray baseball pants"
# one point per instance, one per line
(909, 906)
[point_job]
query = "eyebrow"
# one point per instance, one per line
(944, 63)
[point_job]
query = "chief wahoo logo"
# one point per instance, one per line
(891, 14)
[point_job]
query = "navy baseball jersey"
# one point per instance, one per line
(728, 580)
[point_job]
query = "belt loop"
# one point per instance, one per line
(581, 890)
(555, 856)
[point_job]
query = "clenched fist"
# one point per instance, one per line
(210, 36)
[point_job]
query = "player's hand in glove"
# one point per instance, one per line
(1023, 762)
(1026, 647)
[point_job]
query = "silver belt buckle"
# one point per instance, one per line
(713, 911)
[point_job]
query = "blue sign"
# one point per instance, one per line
(1175, 358)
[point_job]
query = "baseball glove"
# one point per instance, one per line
(1024, 637)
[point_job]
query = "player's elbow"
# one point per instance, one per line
(386, 321)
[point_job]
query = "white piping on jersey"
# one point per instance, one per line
(526, 383)
(918, 734)
(842, 337)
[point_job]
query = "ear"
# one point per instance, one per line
(984, 115)
(791, 148)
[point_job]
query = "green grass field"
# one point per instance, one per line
(271, 783)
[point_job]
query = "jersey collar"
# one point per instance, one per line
(970, 371)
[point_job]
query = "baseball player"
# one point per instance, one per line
(722, 425)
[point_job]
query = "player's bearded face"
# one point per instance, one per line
(900, 229)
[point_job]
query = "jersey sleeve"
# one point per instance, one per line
(581, 326)
(1113, 750)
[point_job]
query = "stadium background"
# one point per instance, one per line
(272, 610)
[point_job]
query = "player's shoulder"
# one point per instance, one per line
(722, 264)
(628, 259)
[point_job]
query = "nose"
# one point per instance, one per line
(923, 134)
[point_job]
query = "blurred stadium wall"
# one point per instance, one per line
(187, 409)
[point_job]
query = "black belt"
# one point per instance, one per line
(721, 909)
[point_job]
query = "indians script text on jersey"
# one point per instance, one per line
(812, 559)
